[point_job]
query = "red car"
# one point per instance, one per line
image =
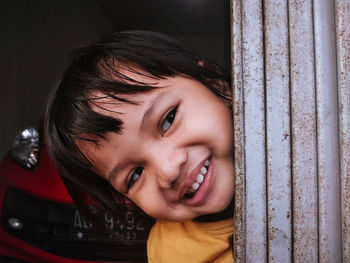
(39, 222)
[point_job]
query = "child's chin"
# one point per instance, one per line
(179, 217)
(221, 213)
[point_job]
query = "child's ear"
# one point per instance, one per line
(219, 84)
(201, 63)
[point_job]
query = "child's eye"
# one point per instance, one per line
(135, 175)
(168, 120)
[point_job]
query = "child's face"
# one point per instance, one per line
(177, 138)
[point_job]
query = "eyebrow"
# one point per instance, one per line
(150, 110)
(148, 113)
(113, 173)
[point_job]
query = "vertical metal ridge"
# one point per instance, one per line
(253, 85)
(329, 222)
(239, 136)
(278, 154)
(290, 131)
(249, 136)
(265, 129)
(342, 13)
(316, 129)
(304, 166)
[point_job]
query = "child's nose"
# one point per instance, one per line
(169, 166)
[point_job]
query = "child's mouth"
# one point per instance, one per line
(192, 190)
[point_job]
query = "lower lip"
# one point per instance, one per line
(203, 190)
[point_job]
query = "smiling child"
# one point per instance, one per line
(139, 115)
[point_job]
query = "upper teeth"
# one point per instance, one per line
(200, 177)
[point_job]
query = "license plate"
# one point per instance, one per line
(129, 228)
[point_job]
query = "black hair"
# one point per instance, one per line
(69, 116)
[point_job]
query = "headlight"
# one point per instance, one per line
(26, 147)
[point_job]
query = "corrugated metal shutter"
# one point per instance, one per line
(291, 78)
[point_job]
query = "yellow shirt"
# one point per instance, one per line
(190, 242)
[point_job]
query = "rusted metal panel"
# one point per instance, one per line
(248, 76)
(254, 129)
(327, 133)
(238, 120)
(291, 77)
(278, 131)
(343, 69)
(304, 146)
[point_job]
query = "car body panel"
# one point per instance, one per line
(45, 183)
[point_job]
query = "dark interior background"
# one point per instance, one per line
(37, 35)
